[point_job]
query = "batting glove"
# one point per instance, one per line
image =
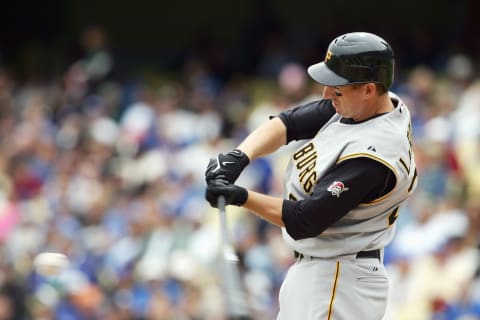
(227, 166)
(233, 194)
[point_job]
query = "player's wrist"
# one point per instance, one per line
(241, 157)
(240, 196)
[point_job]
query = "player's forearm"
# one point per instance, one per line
(266, 207)
(265, 139)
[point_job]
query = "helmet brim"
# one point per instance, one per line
(323, 75)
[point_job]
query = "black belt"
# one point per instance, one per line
(369, 254)
(361, 254)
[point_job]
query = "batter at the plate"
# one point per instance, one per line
(343, 187)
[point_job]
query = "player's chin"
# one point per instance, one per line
(337, 107)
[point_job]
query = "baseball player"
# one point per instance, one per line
(343, 187)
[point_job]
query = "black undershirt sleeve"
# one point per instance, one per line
(303, 122)
(366, 180)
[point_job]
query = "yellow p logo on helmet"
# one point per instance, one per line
(328, 55)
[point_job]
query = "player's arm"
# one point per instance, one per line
(294, 124)
(366, 180)
(301, 122)
(265, 139)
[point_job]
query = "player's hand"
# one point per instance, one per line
(227, 166)
(233, 194)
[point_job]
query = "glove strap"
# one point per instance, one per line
(237, 153)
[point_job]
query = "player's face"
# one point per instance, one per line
(347, 100)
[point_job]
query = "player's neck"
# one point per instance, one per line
(378, 106)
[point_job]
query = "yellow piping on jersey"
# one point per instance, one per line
(330, 308)
(371, 156)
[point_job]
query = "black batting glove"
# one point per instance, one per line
(233, 194)
(226, 166)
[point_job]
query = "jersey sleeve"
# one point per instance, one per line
(345, 186)
(304, 121)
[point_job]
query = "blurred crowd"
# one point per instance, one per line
(111, 173)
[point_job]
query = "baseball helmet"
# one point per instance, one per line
(357, 57)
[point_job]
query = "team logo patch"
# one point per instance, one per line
(336, 188)
(328, 56)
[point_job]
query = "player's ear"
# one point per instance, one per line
(370, 89)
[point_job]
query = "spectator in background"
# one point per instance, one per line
(417, 92)
(466, 134)
(97, 61)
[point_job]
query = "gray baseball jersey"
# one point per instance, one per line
(386, 139)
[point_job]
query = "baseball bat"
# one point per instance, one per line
(236, 299)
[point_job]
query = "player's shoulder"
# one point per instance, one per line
(386, 135)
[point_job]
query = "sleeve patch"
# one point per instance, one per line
(336, 188)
